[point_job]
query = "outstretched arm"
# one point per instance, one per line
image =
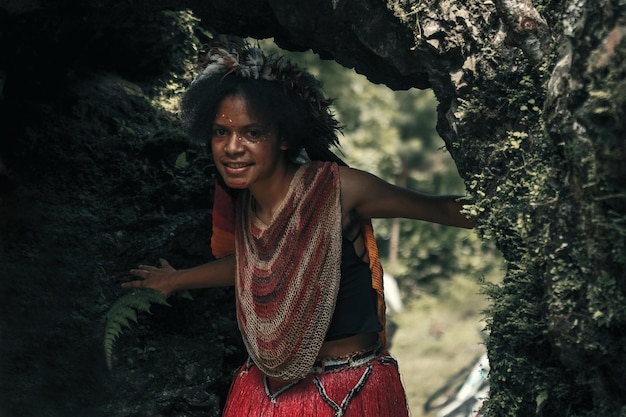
(220, 273)
(370, 197)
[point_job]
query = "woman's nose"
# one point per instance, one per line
(233, 143)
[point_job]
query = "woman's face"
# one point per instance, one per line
(247, 152)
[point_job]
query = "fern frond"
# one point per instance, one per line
(123, 312)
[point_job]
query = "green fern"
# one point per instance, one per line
(123, 312)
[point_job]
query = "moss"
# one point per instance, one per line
(549, 190)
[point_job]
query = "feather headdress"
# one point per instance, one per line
(239, 58)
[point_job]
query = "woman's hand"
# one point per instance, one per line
(161, 279)
(219, 273)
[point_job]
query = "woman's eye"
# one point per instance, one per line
(219, 131)
(254, 135)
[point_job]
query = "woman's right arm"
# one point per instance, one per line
(219, 273)
(370, 197)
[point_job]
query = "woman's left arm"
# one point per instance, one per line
(371, 197)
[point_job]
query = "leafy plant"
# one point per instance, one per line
(125, 310)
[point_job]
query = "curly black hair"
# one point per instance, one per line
(280, 94)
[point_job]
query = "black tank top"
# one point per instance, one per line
(355, 311)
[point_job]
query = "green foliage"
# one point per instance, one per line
(123, 312)
(181, 161)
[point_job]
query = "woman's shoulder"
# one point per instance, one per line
(314, 174)
(321, 167)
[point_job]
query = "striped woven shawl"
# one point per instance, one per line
(288, 272)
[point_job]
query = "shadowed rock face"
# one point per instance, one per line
(95, 177)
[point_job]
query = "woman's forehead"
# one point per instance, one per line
(236, 107)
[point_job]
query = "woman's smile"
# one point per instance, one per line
(236, 165)
(234, 170)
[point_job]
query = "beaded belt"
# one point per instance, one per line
(353, 360)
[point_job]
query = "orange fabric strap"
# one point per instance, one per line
(223, 237)
(377, 276)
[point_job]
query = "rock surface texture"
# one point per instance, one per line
(96, 176)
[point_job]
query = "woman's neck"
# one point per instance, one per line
(267, 197)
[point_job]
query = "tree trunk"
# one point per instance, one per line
(531, 107)
(394, 235)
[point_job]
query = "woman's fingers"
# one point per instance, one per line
(152, 277)
(140, 272)
(143, 271)
(134, 284)
(147, 267)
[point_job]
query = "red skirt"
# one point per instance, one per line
(373, 389)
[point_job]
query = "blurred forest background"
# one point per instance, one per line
(439, 270)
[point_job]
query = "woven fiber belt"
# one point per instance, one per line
(354, 360)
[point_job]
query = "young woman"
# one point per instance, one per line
(292, 232)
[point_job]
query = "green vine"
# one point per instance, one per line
(123, 311)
